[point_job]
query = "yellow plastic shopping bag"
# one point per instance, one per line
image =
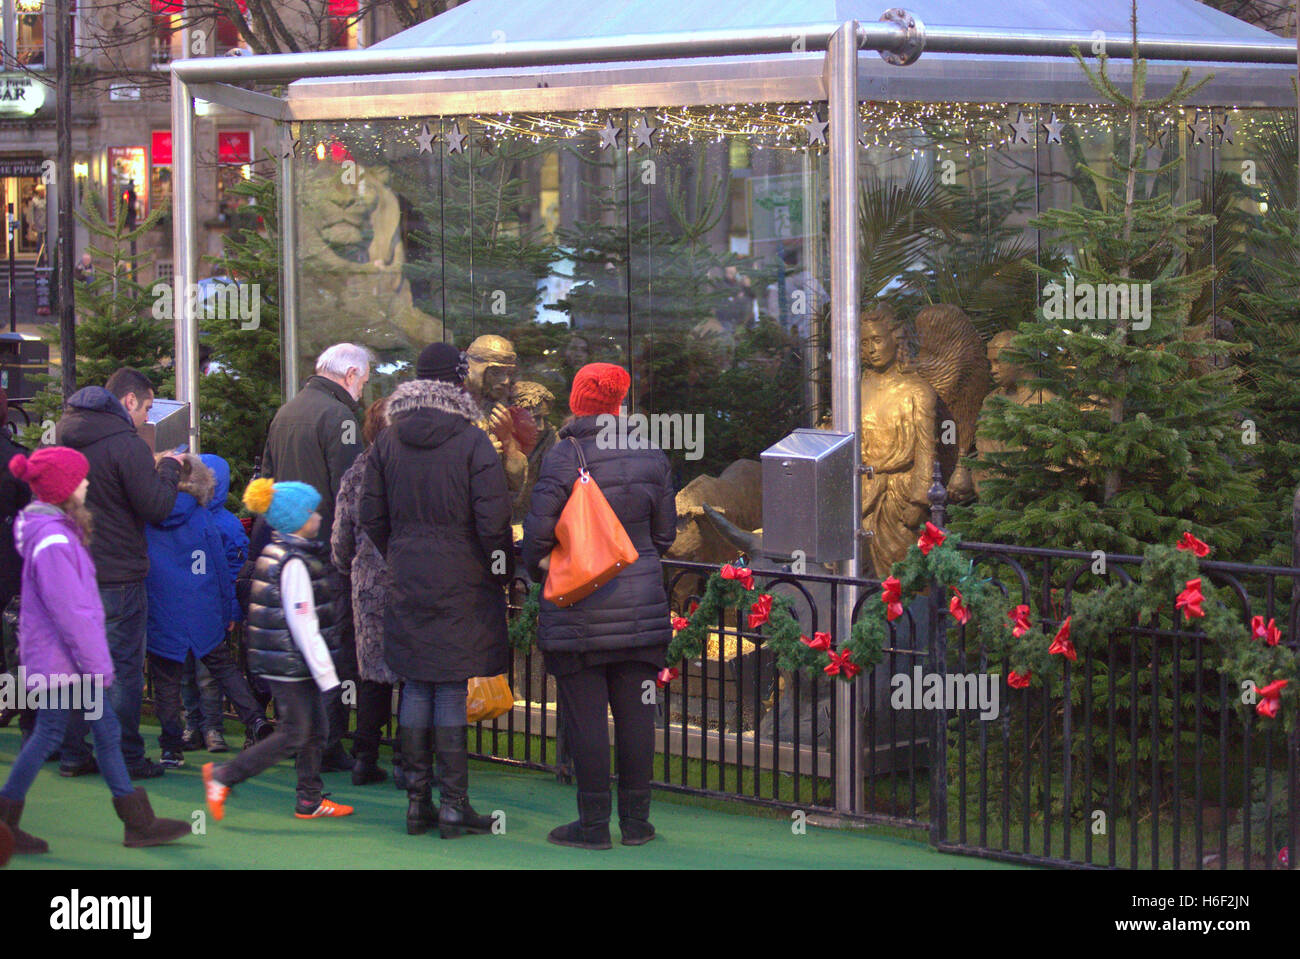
(489, 697)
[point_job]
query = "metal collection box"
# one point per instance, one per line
(808, 496)
(168, 425)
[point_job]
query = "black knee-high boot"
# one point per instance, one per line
(455, 816)
(417, 760)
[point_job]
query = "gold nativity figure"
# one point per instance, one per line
(915, 410)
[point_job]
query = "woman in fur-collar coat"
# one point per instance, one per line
(435, 503)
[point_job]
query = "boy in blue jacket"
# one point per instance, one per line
(200, 691)
(191, 598)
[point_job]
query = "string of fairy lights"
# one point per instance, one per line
(893, 126)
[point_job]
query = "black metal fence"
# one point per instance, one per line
(1145, 757)
(1139, 758)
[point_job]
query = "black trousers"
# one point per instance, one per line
(584, 698)
(168, 676)
(374, 708)
(301, 730)
(338, 712)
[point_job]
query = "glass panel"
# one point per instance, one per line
(727, 237)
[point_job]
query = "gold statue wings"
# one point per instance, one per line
(951, 357)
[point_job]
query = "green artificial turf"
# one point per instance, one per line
(76, 817)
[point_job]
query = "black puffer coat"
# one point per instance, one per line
(631, 610)
(435, 503)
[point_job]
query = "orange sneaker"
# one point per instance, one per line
(326, 808)
(216, 792)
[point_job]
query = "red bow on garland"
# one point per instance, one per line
(1020, 623)
(1016, 681)
(955, 607)
(931, 537)
(760, 611)
(842, 662)
(1190, 542)
(820, 641)
(1270, 634)
(1190, 600)
(738, 573)
(1270, 698)
(666, 676)
(891, 594)
(680, 622)
(1061, 644)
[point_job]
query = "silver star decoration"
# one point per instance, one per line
(425, 140)
(1156, 136)
(288, 146)
(456, 139)
(816, 128)
(1022, 128)
(609, 135)
(1224, 129)
(1199, 129)
(1053, 128)
(643, 132)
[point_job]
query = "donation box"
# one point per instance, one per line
(168, 425)
(808, 496)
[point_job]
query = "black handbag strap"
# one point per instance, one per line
(582, 460)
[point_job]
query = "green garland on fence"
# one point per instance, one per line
(1265, 670)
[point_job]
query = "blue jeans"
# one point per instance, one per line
(425, 705)
(126, 620)
(51, 725)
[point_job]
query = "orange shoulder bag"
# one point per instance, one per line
(591, 546)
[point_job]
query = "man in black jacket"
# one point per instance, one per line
(313, 439)
(126, 492)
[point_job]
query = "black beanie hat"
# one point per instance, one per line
(440, 361)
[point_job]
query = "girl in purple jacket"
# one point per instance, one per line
(63, 652)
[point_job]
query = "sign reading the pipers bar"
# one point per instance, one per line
(20, 95)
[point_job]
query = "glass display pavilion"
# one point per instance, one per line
(709, 193)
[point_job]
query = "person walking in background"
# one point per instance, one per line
(294, 625)
(604, 649)
(128, 490)
(191, 595)
(357, 558)
(62, 633)
(313, 439)
(436, 505)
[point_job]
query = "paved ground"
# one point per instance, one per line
(76, 817)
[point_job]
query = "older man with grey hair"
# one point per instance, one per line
(313, 439)
(316, 435)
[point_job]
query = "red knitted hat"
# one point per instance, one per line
(53, 473)
(598, 388)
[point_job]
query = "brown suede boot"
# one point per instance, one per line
(24, 844)
(143, 828)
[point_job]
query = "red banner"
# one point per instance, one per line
(234, 146)
(161, 148)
